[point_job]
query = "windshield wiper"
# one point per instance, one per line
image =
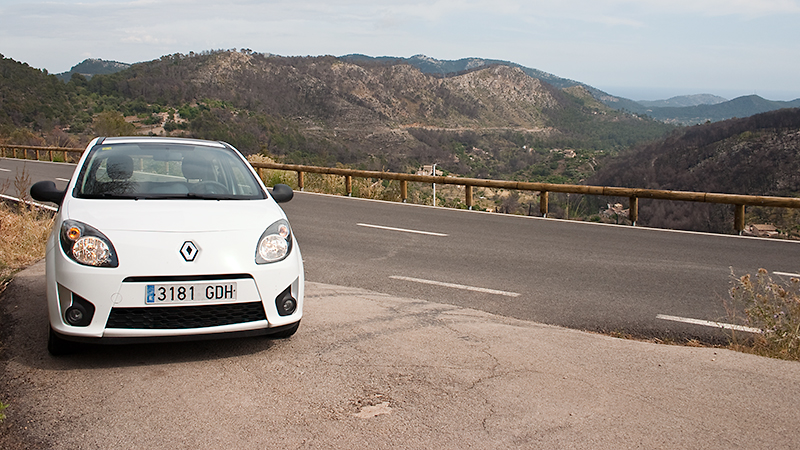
(156, 196)
(111, 196)
(212, 196)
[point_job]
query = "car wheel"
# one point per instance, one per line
(288, 332)
(57, 346)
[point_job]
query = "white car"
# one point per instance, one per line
(168, 239)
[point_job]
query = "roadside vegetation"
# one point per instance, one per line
(769, 306)
(23, 237)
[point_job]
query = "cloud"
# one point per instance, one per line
(143, 38)
(714, 8)
(588, 40)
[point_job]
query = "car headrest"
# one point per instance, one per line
(119, 167)
(194, 167)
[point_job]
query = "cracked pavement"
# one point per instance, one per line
(368, 370)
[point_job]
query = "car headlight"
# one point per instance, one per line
(275, 243)
(86, 245)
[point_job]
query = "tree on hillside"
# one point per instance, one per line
(112, 123)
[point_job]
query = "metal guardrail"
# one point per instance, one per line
(739, 202)
(33, 152)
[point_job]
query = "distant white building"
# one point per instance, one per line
(428, 169)
(615, 210)
(761, 230)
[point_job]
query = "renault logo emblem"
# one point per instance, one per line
(189, 251)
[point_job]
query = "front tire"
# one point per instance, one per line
(57, 346)
(288, 332)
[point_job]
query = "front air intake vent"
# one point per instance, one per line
(180, 317)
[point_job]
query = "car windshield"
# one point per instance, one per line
(166, 171)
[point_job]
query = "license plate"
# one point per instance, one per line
(188, 293)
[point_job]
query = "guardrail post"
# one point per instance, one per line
(738, 218)
(50, 155)
(37, 154)
(65, 156)
(468, 195)
(633, 211)
(300, 182)
(543, 198)
(348, 185)
(404, 190)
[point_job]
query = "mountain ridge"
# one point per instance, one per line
(743, 106)
(93, 66)
(683, 101)
(701, 107)
(680, 110)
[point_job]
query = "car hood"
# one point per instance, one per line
(173, 215)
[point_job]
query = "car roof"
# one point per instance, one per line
(160, 140)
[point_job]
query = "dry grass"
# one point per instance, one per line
(23, 236)
(771, 307)
(330, 184)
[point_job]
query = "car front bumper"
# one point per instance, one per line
(118, 295)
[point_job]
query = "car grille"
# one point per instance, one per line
(178, 317)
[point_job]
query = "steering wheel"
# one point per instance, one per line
(210, 187)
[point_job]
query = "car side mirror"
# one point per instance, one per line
(45, 191)
(282, 193)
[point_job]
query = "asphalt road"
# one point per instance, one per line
(579, 275)
(586, 276)
(16, 174)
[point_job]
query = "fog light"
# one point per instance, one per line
(75, 315)
(285, 303)
(80, 312)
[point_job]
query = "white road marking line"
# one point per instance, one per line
(787, 274)
(456, 286)
(4, 170)
(708, 323)
(63, 179)
(40, 205)
(429, 233)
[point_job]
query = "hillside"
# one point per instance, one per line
(30, 98)
(492, 121)
(679, 110)
(682, 101)
(450, 67)
(91, 67)
(445, 68)
(758, 155)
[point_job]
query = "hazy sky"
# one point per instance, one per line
(640, 49)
